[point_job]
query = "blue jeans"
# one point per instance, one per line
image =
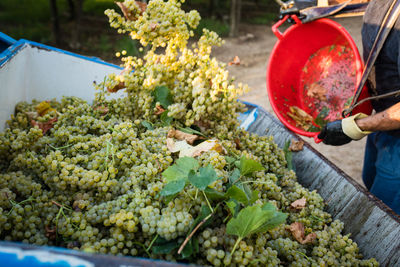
(381, 172)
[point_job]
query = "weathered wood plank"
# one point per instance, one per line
(371, 223)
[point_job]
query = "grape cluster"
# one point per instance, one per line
(92, 181)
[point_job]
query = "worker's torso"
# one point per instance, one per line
(386, 75)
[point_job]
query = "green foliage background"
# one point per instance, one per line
(31, 20)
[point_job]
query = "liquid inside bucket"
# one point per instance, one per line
(327, 82)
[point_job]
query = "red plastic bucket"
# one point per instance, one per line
(314, 67)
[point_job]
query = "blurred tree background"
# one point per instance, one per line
(81, 26)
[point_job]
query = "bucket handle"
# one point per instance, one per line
(316, 139)
(275, 27)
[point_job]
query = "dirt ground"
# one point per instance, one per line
(253, 46)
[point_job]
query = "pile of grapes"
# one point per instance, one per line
(164, 172)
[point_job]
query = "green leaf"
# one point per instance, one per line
(162, 95)
(247, 190)
(187, 251)
(148, 125)
(203, 178)
(238, 194)
(249, 166)
(214, 195)
(288, 155)
(230, 160)
(169, 198)
(162, 246)
(173, 187)
(254, 197)
(320, 119)
(233, 207)
(191, 131)
(235, 175)
(254, 219)
(204, 212)
(166, 121)
(269, 206)
(180, 169)
(277, 219)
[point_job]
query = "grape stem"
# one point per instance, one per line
(192, 233)
(151, 243)
(208, 202)
(13, 203)
(237, 243)
(59, 148)
(301, 253)
(144, 248)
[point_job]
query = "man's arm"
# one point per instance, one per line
(355, 127)
(386, 120)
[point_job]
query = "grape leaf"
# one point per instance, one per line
(162, 95)
(320, 119)
(180, 169)
(203, 178)
(162, 246)
(237, 194)
(148, 125)
(254, 196)
(191, 131)
(165, 119)
(288, 155)
(230, 160)
(173, 187)
(248, 166)
(233, 207)
(235, 175)
(277, 219)
(254, 219)
(188, 249)
(204, 212)
(214, 195)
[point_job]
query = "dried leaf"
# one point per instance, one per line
(302, 118)
(44, 126)
(202, 147)
(127, 13)
(297, 230)
(153, 26)
(32, 115)
(102, 109)
(142, 6)
(190, 138)
(50, 232)
(202, 125)
(177, 146)
(309, 238)
(117, 87)
(159, 110)
(43, 108)
(317, 91)
(299, 204)
(235, 61)
(237, 143)
(296, 145)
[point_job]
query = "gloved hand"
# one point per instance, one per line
(341, 132)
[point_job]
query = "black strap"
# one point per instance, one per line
(387, 24)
